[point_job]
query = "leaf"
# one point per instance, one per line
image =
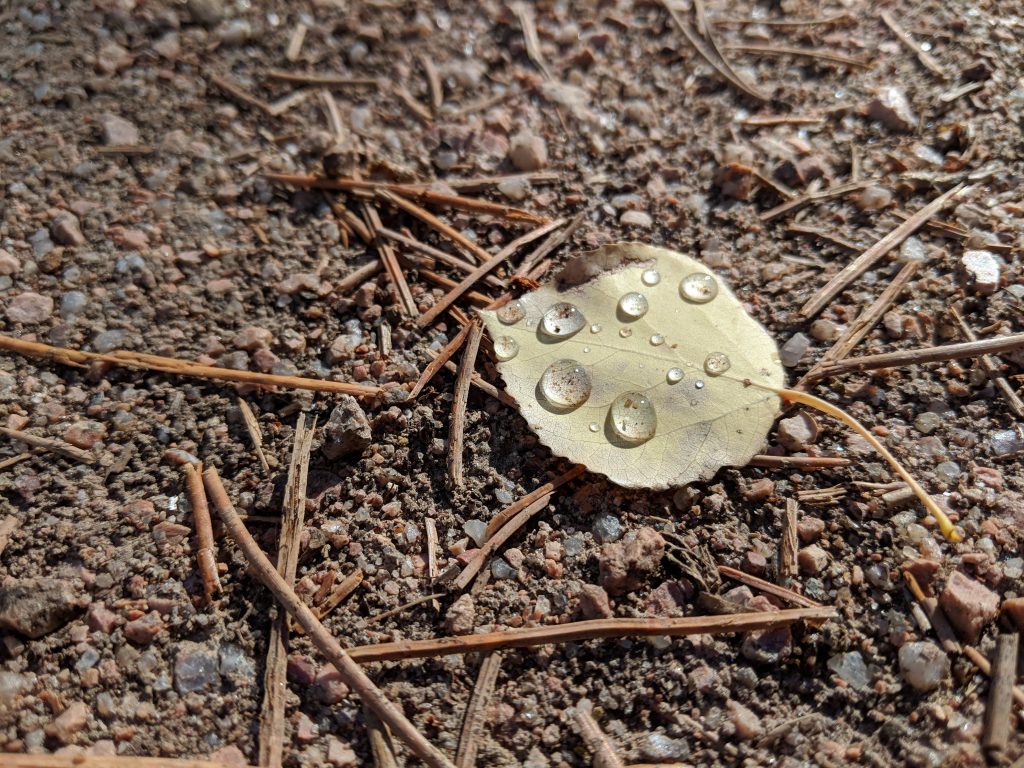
(704, 418)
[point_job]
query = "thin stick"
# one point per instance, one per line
(800, 462)
(490, 263)
(337, 125)
(829, 237)
(359, 276)
(429, 250)
(484, 386)
(298, 36)
(419, 110)
(709, 55)
(524, 14)
(818, 54)
(433, 82)
(457, 428)
(403, 608)
(478, 183)
(866, 260)
(206, 555)
(239, 94)
(349, 671)
(517, 506)
(48, 444)
(11, 461)
(432, 221)
(794, 396)
(252, 426)
(85, 760)
(998, 709)
(927, 60)
(763, 121)
(792, 206)
(287, 103)
(475, 298)
(338, 594)
(438, 362)
(595, 739)
(380, 741)
(839, 18)
(788, 547)
(7, 526)
(977, 658)
(313, 78)
(476, 711)
(390, 261)
(992, 368)
(172, 365)
(588, 630)
(922, 355)
(483, 553)
(272, 716)
(430, 526)
(767, 587)
(349, 219)
(553, 242)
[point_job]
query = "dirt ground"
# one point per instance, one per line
(137, 215)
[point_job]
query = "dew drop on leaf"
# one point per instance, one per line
(594, 426)
(716, 364)
(657, 340)
(562, 320)
(566, 383)
(505, 348)
(674, 375)
(511, 313)
(633, 418)
(625, 333)
(595, 328)
(698, 384)
(699, 287)
(650, 277)
(633, 305)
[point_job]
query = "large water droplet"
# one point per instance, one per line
(657, 340)
(562, 320)
(700, 288)
(674, 375)
(505, 348)
(595, 328)
(511, 313)
(633, 417)
(716, 364)
(633, 305)
(566, 383)
(650, 277)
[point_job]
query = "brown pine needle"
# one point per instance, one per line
(479, 254)
(439, 361)
(419, 110)
(351, 674)
(517, 506)
(403, 608)
(999, 707)
(792, 206)
(839, 18)
(252, 426)
(436, 253)
(177, 367)
(798, 462)
(456, 431)
(484, 386)
(475, 298)
(551, 243)
(313, 78)
(524, 13)
(763, 121)
(49, 444)
(767, 587)
(595, 739)
(579, 631)
(240, 94)
(434, 83)
(337, 596)
(85, 760)
(806, 53)
(868, 258)
(390, 261)
(927, 60)
(476, 711)
(206, 556)
(481, 556)
(789, 544)
(992, 368)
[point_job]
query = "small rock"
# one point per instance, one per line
(301, 670)
(234, 32)
(229, 755)
(624, 565)
(252, 338)
(808, 529)
(850, 667)
(195, 668)
(969, 605)
(347, 430)
(476, 530)
(85, 434)
(793, 351)
(340, 754)
(112, 58)
(606, 528)
(306, 730)
(892, 110)
(144, 629)
(69, 722)
(594, 602)
(205, 12)
(981, 271)
(461, 617)
(65, 230)
(927, 422)
(517, 189)
(873, 198)
(101, 619)
(1005, 442)
(767, 646)
(747, 724)
(528, 152)
(330, 688)
(759, 490)
(823, 329)
(797, 432)
(37, 606)
(913, 249)
(29, 308)
(923, 665)
(754, 563)
(636, 219)
(9, 264)
(812, 560)
(117, 131)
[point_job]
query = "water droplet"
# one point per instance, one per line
(633, 305)
(505, 348)
(674, 375)
(625, 332)
(700, 288)
(698, 384)
(595, 328)
(650, 277)
(657, 340)
(633, 417)
(586, 349)
(716, 364)
(594, 426)
(562, 320)
(566, 383)
(511, 313)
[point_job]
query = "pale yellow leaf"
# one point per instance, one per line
(703, 421)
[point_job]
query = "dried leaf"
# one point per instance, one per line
(638, 365)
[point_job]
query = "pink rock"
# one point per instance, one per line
(594, 602)
(29, 308)
(668, 599)
(747, 724)
(809, 529)
(969, 605)
(461, 616)
(301, 670)
(229, 755)
(9, 264)
(252, 338)
(306, 730)
(65, 229)
(623, 565)
(168, 532)
(340, 754)
(68, 723)
(101, 619)
(117, 130)
(85, 434)
(329, 685)
(144, 629)
(812, 560)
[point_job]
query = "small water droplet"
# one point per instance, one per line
(625, 332)
(716, 364)
(595, 328)
(698, 384)
(700, 288)
(657, 340)
(505, 348)
(633, 305)
(633, 417)
(562, 320)
(511, 313)
(650, 277)
(586, 349)
(693, 403)
(594, 426)
(674, 375)
(566, 383)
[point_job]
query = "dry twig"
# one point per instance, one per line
(313, 78)
(252, 426)
(476, 711)
(818, 54)
(998, 709)
(387, 256)
(553, 242)
(792, 206)
(800, 462)
(524, 13)
(595, 739)
(767, 587)
(789, 545)
(49, 444)
(439, 361)
(457, 428)
(206, 555)
(992, 368)
(499, 520)
(926, 59)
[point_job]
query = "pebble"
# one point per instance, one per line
(606, 528)
(924, 665)
(71, 305)
(502, 570)
(112, 58)
(624, 565)
(754, 563)
(252, 338)
(761, 489)
(102, 619)
(812, 559)
(891, 108)
(824, 330)
(796, 432)
(85, 434)
(195, 668)
(748, 725)
(65, 229)
(461, 617)
(331, 689)
(476, 530)
(873, 198)
(594, 602)
(927, 422)
(1004, 442)
(793, 351)
(660, 748)
(767, 646)
(12, 685)
(969, 605)
(107, 341)
(69, 722)
(205, 12)
(850, 667)
(528, 152)
(808, 529)
(37, 606)
(340, 754)
(347, 431)
(9, 264)
(234, 32)
(981, 271)
(29, 308)
(1014, 608)
(143, 630)
(913, 249)
(116, 130)
(516, 189)
(636, 219)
